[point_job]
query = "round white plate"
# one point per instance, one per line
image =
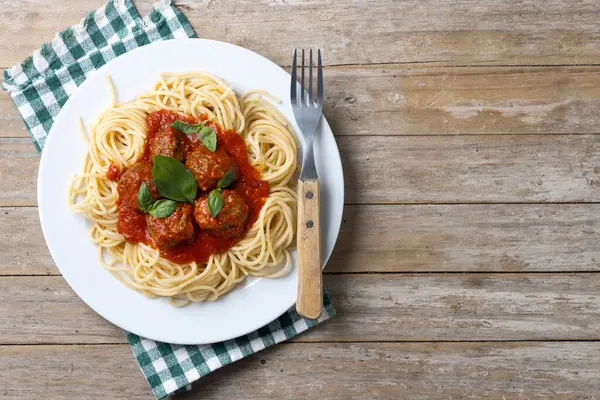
(252, 304)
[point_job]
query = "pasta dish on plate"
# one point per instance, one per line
(189, 188)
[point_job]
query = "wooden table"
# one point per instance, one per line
(467, 264)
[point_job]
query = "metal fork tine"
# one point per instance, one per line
(294, 84)
(310, 80)
(319, 79)
(308, 104)
(302, 97)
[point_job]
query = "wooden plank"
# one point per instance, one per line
(70, 372)
(455, 32)
(12, 124)
(370, 307)
(416, 371)
(23, 250)
(469, 238)
(462, 307)
(532, 370)
(439, 169)
(422, 100)
(403, 238)
(19, 163)
(463, 169)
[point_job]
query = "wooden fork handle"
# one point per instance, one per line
(310, 275)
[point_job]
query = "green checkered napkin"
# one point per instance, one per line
(41, 85)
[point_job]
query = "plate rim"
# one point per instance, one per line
(43, 165)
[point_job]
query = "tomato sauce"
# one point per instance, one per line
(132, 225)
(249, 185)
(113, 172)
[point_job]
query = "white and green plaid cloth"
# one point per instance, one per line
(41, 85)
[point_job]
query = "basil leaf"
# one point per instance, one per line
(187, 128)
(162, 208)
(173, 180)
(144, 198)
(215, 202)
(227, 179)
(207, 135)
(208, 138)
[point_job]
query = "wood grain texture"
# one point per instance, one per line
(19, 163)
(513, 371)
(309, 302)
(23, 250)
(402, 238)
(432, 102)
(440, 169)
(354, 32)
(70, 372)
(468, 238)
(423, 100)
(12, 124)
(393, 307)
(463, 169)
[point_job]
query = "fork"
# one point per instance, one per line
(308, 112)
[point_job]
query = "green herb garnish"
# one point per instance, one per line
(215, 202)
(157, 208)
(173, 180)
(215, 198)
(144, 198)
(163, 208)
(188, 129)
(207, 135)
(227, 179)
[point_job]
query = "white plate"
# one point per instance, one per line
(248, 307)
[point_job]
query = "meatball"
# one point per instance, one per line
(208, 167)
(166, 142)
(169, 231)
(229, 222)
(131, 180)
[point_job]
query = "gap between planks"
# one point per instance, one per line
(300, 342)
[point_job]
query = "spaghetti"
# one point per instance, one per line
(117, 141)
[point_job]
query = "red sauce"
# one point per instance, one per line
(113, 172)
(132, 225)
(249, 185)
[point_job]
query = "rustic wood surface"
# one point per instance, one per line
(473, 307)
(467, 263)
(468, 370)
